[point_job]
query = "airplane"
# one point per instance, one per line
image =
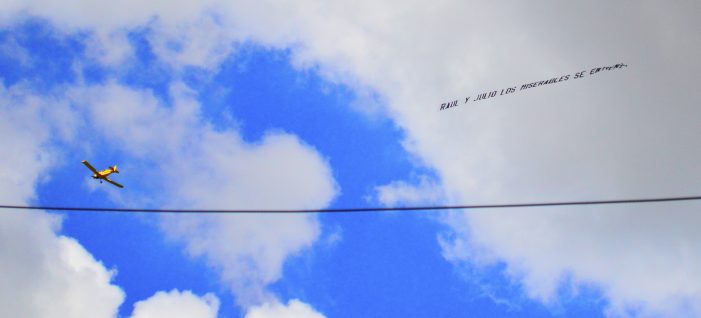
(102, 175)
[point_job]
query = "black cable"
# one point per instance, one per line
(354, 210)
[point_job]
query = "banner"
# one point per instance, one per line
(514, 89)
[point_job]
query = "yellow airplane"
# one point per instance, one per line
(102, 175)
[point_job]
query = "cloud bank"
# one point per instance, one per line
(45, 274)
(176, 304)
(628, 134)
(293, 309)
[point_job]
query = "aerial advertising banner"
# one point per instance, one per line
(514, 89)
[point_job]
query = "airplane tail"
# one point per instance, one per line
(114, 168)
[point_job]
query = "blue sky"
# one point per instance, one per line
(235, 105)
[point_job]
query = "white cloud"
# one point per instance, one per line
(401, 192)
(22, 146)
(176, 304)
(639, 259)
(189, 34)
(199, 42)
(44, 274)
(293, 309)
(199, 167)
(248, 250)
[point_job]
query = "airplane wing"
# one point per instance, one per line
(115, 183)
(85, 162)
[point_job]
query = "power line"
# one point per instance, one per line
(353, 210)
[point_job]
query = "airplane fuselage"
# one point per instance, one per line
(104, 173)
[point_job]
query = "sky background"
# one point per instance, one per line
(312, 104)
